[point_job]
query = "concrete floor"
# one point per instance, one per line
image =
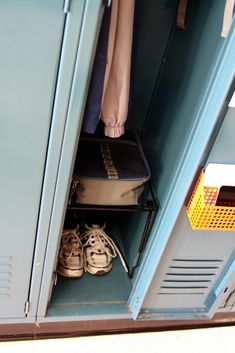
(216, 340)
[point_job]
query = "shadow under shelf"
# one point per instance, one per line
(147, 204)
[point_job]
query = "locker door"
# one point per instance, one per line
(197, 270)
(188, 112)
(30, 39)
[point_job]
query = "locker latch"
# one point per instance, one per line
(67, 6)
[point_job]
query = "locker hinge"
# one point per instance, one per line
(26, 307)
(67, 4)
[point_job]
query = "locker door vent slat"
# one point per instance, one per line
(5, 276)
(189, 276)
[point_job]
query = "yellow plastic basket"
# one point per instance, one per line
(202, 212)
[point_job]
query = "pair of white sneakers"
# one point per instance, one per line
(91, 250)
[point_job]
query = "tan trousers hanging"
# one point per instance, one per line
(117, 76)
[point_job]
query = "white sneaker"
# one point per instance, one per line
(71, 255)
(99, 250)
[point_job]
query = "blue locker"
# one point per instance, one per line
(180, 82)
(31, 33)
(187, 86)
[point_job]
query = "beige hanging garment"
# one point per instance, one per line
(117, 75)
(228, 17)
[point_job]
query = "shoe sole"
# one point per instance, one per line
(69, 273)
(98, 272)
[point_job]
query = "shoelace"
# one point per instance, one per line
(73, 189)
(71, 244)
(100, 234)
